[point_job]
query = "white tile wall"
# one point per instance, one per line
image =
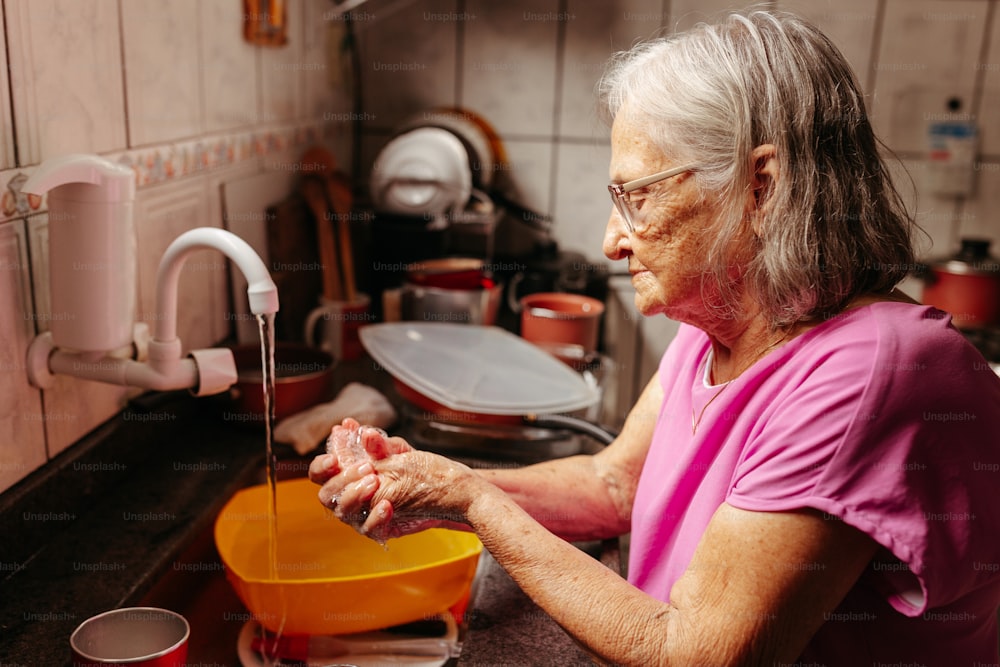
(928, 53)
(980, 215)
(596, 31)
(6, 119)
(164, 103)
(582, 203)
(989, 72)
(408, 59)
(850, 24)
(162, 213)
(938, 217)
(228, 68)
(338, 109)
(74, 407)
(66, 77)
(22, 422)
(280, 72)
(319, 73)
(508, 67)
(527, 177)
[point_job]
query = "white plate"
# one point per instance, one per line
(480, 369)
(422, 172)
(249, 658)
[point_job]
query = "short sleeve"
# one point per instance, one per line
(882, 436)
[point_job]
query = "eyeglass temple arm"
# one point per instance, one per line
(653, 178)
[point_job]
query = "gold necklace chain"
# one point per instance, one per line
(696, 421)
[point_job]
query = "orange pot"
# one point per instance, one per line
(562, 319)
(967, 286)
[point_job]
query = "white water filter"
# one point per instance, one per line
(92, 250)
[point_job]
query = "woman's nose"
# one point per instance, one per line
(616, 238)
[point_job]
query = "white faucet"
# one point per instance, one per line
(92, 264)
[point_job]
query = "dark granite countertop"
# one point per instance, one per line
(506, 628)
(98, 526)
(124, 518)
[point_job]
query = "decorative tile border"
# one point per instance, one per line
(166, 162)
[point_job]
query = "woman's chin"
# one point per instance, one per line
(647, 306)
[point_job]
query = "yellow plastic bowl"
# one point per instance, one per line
(330, 579)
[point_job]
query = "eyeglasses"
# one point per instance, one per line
(620, 192)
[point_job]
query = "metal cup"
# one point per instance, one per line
(134, 636)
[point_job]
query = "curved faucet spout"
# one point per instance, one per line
(261, 290)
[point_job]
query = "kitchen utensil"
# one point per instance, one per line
(328, 191)
(561, 318)
(303, 377)
(422, 172)
(331, 579)
(448, 273)
(486, 154)
(339, 201)
(478, 305)
(967, 285)
(476, 369)
(340, 321)
(326, 240)
(134, 636)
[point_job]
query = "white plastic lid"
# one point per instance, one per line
(480, 369)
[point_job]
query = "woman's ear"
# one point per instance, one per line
(763, 180)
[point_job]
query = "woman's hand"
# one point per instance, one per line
(383, 487)
(350, 445)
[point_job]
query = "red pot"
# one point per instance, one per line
(967, 286)
(463, 273)
(302, 378)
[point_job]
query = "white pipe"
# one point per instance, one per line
(114, 370)
(261, 290)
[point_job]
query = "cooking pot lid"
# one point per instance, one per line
(972, 259)
(480, 369)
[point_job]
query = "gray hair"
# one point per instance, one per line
(835, 227)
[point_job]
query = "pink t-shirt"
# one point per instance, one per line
(884, 417)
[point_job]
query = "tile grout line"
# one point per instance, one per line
(124, 77)
(562, 8)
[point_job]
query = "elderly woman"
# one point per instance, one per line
(811, 474)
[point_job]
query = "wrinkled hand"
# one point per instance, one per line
(350, 444)
(383, 487)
